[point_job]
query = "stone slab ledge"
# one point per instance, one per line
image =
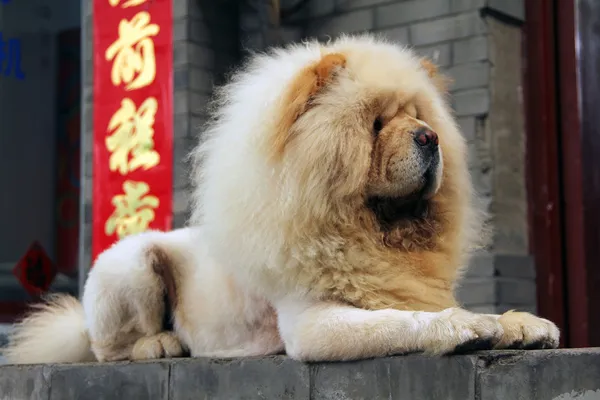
(530, 375)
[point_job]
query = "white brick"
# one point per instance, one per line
(471, 102)
(469, 76)
(469, 50)
(355, 21)
(449, 28)
(438, 53)
(398, 35)
(410, 11)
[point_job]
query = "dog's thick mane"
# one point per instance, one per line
(279, 226)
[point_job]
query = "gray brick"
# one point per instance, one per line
(253, 41)
(515, 266)
(201, 80)
(181, 129)
(483, 309)
(198, 55)
(198, 103)
(398, 34)
(481, 266)
(24, 382)
(321, 8)
(511, 8)
(344, 5)
(180, 30)
(87, 196)
(516, 291)
(198, 32)
(469, 76)
(448, 28)
(179, 220)
(185, 8)
(397, 378)
(180, 201)
(249, 21)
(181, 102)
(482, 181)
(134, 381)
(467, 127)
(266, 378)
(470, 50)
(438, 53)
(558, 375)
(355, 21)
(477, 291)
(466, 5)
(410, 11)
(471, 102)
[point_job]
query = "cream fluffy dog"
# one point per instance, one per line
(333, 214)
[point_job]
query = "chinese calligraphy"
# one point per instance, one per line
(134, 210)
(128, 3)
(133, 52)
(133, 132)
(132, 126)
(10, 54)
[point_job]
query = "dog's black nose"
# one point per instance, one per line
(426, 137)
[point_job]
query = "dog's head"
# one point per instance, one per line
(367, 119)
(316, 130)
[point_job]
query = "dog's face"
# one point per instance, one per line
(362, 124)
(406, 158)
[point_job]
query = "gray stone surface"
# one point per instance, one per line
(514, 375)
(268, 378)
(558, 375)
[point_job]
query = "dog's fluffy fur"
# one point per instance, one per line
(333, 213)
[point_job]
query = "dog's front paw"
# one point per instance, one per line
(457, 331)
(523, 330)
(162, 345)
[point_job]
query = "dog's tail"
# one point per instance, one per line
(54, 332)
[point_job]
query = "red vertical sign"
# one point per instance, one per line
(133, 119)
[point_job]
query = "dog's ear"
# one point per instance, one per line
(305, 86)
(441, 81)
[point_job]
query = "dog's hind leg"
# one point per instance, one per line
(127, 298)
(154, 312)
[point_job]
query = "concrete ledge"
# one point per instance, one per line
(544, 375)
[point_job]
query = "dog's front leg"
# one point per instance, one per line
(325, 331)
(523, 330)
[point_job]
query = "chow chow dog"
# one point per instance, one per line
(333, 214)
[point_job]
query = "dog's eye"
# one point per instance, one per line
(377, 126)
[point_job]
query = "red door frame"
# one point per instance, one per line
(563, 164)
(542, 158)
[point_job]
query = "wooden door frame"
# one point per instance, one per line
(563, 163)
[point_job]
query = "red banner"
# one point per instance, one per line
(133, 119)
